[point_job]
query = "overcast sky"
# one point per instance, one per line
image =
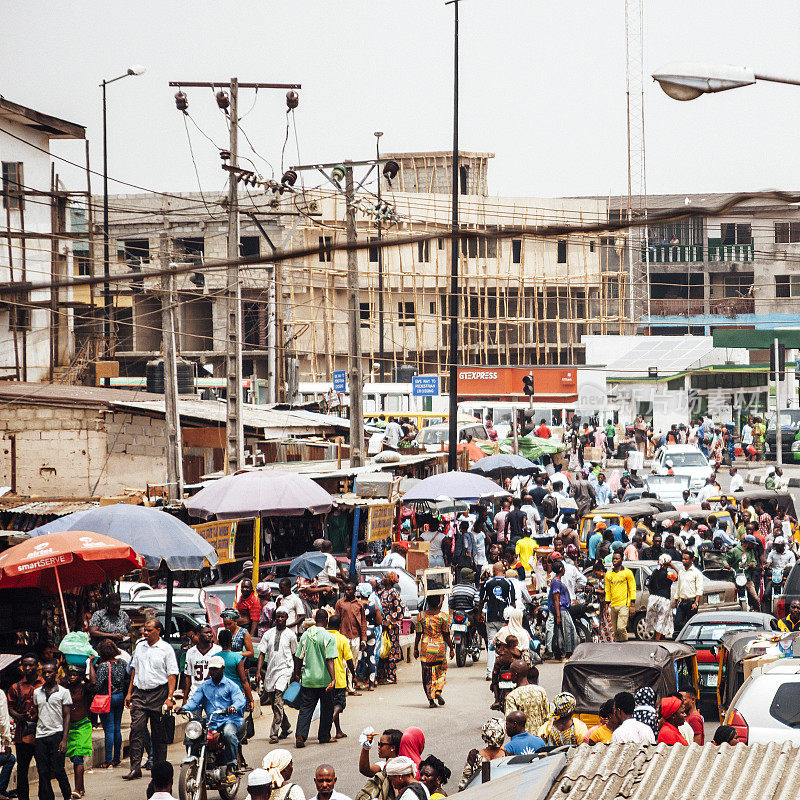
(542, 86)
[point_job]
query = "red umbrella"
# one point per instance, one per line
(59, 561)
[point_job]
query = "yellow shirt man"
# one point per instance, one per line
(620, 595)
(343, 654)
(525, 549)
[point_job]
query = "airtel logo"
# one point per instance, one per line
(477, 376)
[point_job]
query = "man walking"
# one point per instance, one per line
(343, 670)
(314, 664)
(353, 625)
(53, 703)
(277, 648)
(154, 675)
(584, 494)
(688, 591)
(23, 712)
(620, 595)
(498, 594)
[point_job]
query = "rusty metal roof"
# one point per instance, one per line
(676, 772)
(45, 508)
(15, 392)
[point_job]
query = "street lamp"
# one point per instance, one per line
(685, 80)
(381, 359)
(134, 69)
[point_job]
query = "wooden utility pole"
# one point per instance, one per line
(354, 328)
(172, 417)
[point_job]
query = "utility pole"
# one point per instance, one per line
(354, 328)
(778, 378)
(381, 343)
(234, 429)
(168, 347)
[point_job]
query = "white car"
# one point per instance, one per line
(432, 437)
(767, 707)
(686, 460)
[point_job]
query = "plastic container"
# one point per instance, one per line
(75, 659)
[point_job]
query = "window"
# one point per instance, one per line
(516, 251)
(13, 185)
(424, 251)
(136, 251)
(365, 314)
(249, 246)
(405, 312)
(786, 705)
(432, 307)
(591, 245)
(736, 233)
(19, 318)
(787, 232)
(325, 244)
(191, 249)
(81, 261)
(373, 251)
(441, 242)
(562, 251)
(787, 285)
(738, 285)
(462, 173)
(469, 246)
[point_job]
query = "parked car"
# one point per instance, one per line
(432, 437)
(188, 597)
(704, 632)
(185, 621)
(408, 585)
(280, 569)
(767, 707)
(686, 460)
(129, 589)
(790, 429)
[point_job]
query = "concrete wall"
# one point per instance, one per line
(66, 452)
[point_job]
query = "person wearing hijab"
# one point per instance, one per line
(514, 627)
(241, 641)
(672, 716)
(493, 734)
(645, 710)
(659, 606)
(562, 727)
(367, 669)
(279, 767)
(411, 745)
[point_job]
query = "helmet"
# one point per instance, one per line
(571, 550)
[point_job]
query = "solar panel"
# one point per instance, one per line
(667, 353)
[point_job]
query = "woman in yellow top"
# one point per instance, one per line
(434, 774)
(601, 734)
(563, 727)
(430, 647)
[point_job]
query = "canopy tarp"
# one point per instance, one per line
(531, 447)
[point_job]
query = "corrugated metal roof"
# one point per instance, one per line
(49, 393)
(664, 772)
(55, 508)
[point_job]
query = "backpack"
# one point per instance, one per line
(550, 507)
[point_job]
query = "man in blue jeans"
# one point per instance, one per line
(222, 695)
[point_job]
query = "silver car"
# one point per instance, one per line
(408, 585)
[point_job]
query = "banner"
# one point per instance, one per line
(221, 535)
(381, 522)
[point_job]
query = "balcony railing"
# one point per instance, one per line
(723, 306)
(672, 253)
(730, 252)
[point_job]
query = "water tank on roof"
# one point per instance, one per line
(154, 372)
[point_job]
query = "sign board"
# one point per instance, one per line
(761, 339)
(339, 380)
(552, 384)
(221, 535)
(381, 521)
(425, 386)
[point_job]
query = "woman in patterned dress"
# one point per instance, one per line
(368, 664)
(430, 647)
(393, 612)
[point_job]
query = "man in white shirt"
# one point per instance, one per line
(687, 591)
(709, 490)
(154, 676)
(276, 649)
(392, 435)
(573, 579)
(195, 671)
(291, 604)
(395, 558)
(737, 481)
(629, 730)
(747, 435)
(162, 777)
(325, 781)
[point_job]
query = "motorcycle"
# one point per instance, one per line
(586, 617)
(536, 616)
(740, 582)
(505, 686)
(465, 637)
(204, 767)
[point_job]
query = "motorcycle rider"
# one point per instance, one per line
(465, 598)
(221, 694)
(742, 558)
(779, 559)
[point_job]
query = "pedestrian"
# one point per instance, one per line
(400, 772)
(241, 641)
(528, 697)
(520, 742)
(726, 734)
(325, 781)
(111, 676)
(672, 717)
(7, 759)
(602, 733)
(688, 591)
(112, 623)
(493, 734)
(562, 638)
(393, 611)
(52, 702)
(23, 711)
(79, 738)
(234, 665)
(367, 668)
(497, 594)
(693, 717)
(274, 779)
(276, 649)
(433, 774)
(153, 678)
(597, 585)
(583, 493)
(388, 747)
(645, 710)
(629, 730)
(344, 670)
(515, 522)
(431, 643)
(249, 606)
(353, 627)
(315, 666)
(411, 746)
(658, 619)
(292, 605)
(564, 727)
(620, 595)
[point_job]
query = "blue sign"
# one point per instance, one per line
(339, 381)
(425, 385)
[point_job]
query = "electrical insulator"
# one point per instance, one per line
(390, 170)
(181, 101)
(292, 100)
(339, 172)
(225, 155)
(223, 101)
(289, 178)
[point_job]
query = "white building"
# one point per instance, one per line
(35, 337)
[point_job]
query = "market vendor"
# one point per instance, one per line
(112, 623)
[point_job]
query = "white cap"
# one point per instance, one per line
(258, 777)
(216, 662)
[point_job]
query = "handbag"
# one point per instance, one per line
(101, 703)
(291, 695)
(386, 645)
